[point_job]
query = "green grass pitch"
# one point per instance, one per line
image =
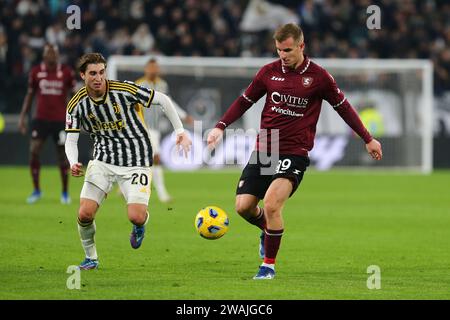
(337, 225)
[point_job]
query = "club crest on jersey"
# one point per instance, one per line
(68, 120)
(307, 81)
(116, 108)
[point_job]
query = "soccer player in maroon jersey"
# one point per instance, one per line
(52, 83)
(295, 87)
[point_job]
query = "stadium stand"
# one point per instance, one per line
(409, 29)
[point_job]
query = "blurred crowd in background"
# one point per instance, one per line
(229, 28)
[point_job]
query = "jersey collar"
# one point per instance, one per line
(44, 67)
(300, 69)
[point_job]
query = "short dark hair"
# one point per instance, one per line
(152, 60)
(50, 46)
(288, 30)
(90, 58)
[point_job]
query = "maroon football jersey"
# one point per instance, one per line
(293, 103)
(52, 88)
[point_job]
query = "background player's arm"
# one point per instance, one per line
(169, 109)
(71, 147)
(26, 107)
(147, 97)
(187, 119)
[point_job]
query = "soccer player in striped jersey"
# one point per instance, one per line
(295, 87)
(122, 148)
(52, 83)
(152, 116)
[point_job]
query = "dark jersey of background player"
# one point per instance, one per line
(51, 83)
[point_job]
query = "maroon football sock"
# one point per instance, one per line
(259, 220)
(35, 168)
(272, 242)
(64, 170)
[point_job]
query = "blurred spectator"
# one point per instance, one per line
(36, 40)
(262, 15)
(3, 68)
(442, 71)
(409, 29)
(99, 40)
(26, 7)
(56, 34)
(142, 39)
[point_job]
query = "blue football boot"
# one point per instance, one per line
(88, 264)
(264, 273)
(137, 235)
(65, 198)
(34, 197)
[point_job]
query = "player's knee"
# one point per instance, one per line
(244, 209)
(138, 218)
(85, 215)
(35, 148)
(62, 159)
(34, 155)
(137, 214)
(272, 207)
(87, 211)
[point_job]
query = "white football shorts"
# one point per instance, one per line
(155, 138)
(134, 182)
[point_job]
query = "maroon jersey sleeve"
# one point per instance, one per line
(252, 94)
(337, 100)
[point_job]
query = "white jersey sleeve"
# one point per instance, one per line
(169, 109)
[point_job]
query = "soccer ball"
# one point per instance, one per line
(211, 222)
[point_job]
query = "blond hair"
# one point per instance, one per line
(288, 30)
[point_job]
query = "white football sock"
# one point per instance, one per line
(87, 235)
(146, 219)
(158, 180)
(268, 265)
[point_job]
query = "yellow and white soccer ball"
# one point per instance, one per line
(211, 222)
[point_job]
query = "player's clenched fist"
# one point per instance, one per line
(77, 170)
(374, 149)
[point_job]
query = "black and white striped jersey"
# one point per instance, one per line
(119, 132)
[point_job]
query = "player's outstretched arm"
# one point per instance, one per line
(374, 149)
(214, 138)
(71, 147)
(169, 109)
